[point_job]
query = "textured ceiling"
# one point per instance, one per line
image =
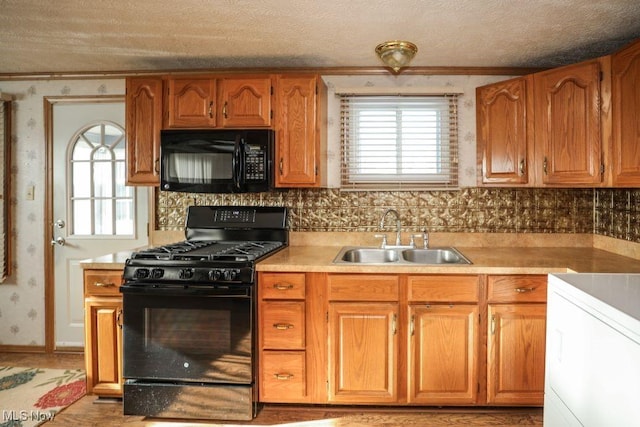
(58, 36)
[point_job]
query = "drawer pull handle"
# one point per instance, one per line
(283, 286)
(283, 377)
(105, 285)
(283, 326)
(524, 290)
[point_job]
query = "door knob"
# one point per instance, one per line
(59, 224)
(58, 241)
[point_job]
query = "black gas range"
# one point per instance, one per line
(189, 316)
(223, 244)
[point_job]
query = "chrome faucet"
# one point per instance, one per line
(398, 224)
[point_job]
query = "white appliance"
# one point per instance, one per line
(593, 350)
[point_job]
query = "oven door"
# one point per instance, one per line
(188, 334)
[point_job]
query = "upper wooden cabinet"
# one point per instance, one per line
(246, 102)
(625, 111)
(505, 132)
(143, 106)
(300, 130)
(544, 129)
(227, 102)
(573, 126)
(568, 126)
(292, 104)
(191, 103)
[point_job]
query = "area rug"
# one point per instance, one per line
(31, 396)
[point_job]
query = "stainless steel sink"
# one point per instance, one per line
(434, 256)
(370, 255)
(406, 256)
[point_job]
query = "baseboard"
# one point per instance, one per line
(22, 349)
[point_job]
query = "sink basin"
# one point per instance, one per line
(370, 255)
(434, 256)
(406, 256)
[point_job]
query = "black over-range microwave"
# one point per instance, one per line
(217, 160)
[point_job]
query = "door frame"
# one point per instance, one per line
(49, 279)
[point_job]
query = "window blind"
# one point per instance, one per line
(399, 142)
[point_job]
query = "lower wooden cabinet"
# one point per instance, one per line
(402, 339)
(516, 339)
(103, 332)
(282, 373)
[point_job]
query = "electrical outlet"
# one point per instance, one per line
(31, 192)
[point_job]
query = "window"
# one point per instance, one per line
(101, 203)
(399, 142)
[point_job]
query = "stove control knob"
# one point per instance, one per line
(229, 275)
(141, 273)
(186, 273)
(157, 273)
(214, 275)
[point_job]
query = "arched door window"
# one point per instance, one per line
(101, 203)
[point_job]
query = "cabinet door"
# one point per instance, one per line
(505, 131)
(297, 131)
(143, 107)
(363, 352)
(246, 102)
(567, 118)
(443, 348)
(625, 111)
(191, 103)
(516, 354)
(103, 345)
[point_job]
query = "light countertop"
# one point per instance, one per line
(485, 260)
(490, 253)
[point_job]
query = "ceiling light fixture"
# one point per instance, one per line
(396, 54)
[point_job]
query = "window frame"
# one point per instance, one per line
(446, 145)
(114, 198)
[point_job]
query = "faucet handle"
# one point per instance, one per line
(412, 242)
(384, 239)
(425, 239)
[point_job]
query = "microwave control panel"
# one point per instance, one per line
(255, 163)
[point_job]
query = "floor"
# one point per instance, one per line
(89, 411)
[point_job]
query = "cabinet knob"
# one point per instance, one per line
(211, 110)
(524, 290)
(522, 167)
(283, 286)
(544, 165)
(224, 110)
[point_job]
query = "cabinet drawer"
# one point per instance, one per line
(363, 287)
(443, 288)
(102, 282)
(282, 285)
(282, 325)
(519, 288)
(283, 376)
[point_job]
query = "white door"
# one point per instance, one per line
(94, 213)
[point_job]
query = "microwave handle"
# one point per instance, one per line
(238, 164)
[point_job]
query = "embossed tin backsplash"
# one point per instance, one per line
(496, 210)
